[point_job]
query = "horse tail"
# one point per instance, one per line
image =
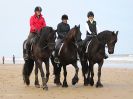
(27, 69)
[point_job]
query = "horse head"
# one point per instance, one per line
(47, 37)
(112, 41)
(109, 38)
(73, 34)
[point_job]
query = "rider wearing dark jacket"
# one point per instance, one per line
(62, 29)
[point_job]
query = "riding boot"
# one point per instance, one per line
(56, 60)
(27, 52)
(87, 39)
(106, 56)
(27, 55)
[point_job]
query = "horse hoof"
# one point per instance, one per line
(58, 84)
(45, 88)
(37, 86)
(85, 84)
(88, 81)
(75, 80)
(65, 85)
(27, 82)
(92, 82)
(99, 85)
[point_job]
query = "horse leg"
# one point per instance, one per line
(47, 70)
(37, 85)
(75, 78)
(83, 64)
(99, 84)
(57, 76)
(91, 67)
(44, 85)
(89, 74)
(65, 74)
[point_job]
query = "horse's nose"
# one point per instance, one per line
(111, 51)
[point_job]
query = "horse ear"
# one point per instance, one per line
(117, 32)
(75, 26)
(55, 30)
(79, 26)
(113, 32)
(50, 29)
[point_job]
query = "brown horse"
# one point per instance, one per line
(67, 55)
(41, 51)
(95, 54)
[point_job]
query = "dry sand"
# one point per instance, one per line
(118, 84)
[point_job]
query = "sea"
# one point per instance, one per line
(114, 61)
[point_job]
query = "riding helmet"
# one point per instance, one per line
(38, 8)
(64, 17)
(90, 14)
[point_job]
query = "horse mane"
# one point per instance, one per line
(71, 35)
(44, 33)
(104, 36)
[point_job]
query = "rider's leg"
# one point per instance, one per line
(56, 60)
(87, 39)
(28, 45)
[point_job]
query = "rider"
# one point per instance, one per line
(91, 24)
(37, 22)
(62, 29)
(91, 27)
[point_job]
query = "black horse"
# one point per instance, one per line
(95, 53)
(41, 51)
(67, 55)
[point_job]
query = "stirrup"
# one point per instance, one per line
(56, 60)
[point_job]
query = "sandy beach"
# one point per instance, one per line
(118, 84)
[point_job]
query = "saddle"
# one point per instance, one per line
(32, 42)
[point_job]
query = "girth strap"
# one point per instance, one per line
(60, 48)
(88, 43)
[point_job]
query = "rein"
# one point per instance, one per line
(47, 45)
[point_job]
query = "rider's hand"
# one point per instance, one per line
(37, 31)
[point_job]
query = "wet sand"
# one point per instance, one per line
(118, 84)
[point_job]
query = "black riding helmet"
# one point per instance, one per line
(64, 17)
(90, 14)
(38, 8)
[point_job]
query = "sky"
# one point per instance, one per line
(110, 15)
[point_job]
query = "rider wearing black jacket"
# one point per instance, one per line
(62, 29)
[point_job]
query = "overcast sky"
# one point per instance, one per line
(110, 15)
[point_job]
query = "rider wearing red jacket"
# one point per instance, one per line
(37, 22)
